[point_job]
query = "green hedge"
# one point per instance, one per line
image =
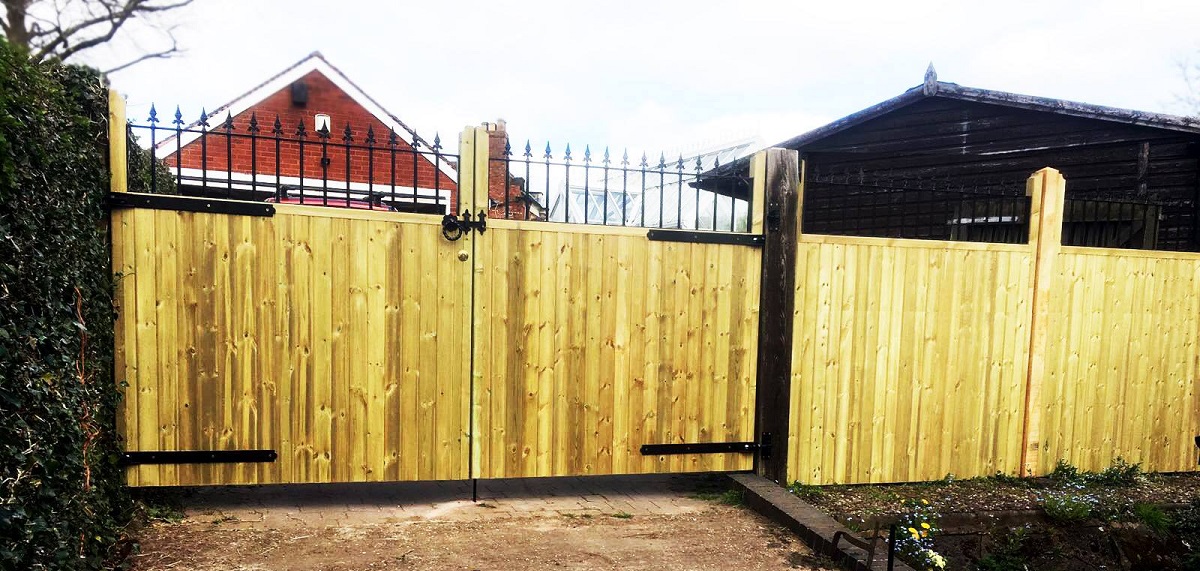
(62, 505)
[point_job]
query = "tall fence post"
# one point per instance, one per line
(117, 149)
(1047, 189)
(776, 198)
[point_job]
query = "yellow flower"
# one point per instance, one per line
(926, 502)
(914, 533)
(925, 525)
(923, 534)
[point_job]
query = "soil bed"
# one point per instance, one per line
(856, 505)
(1149, 522)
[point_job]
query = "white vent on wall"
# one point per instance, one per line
(322, 122)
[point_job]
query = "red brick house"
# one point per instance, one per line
(310, 131)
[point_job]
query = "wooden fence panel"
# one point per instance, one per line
(337, 338)
(909, 359)
(1123, 360)
(591, 341)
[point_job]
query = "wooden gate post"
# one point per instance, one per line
(775, 212)
(1047, 190)
(117, 149)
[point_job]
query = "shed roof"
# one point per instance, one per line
(932, 88)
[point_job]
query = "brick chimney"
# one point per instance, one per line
(498, 180)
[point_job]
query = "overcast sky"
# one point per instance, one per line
(672, 74)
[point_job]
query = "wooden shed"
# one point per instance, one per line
(945, 161)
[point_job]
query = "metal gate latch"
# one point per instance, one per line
(454, 228)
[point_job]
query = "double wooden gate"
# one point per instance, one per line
(288, 343)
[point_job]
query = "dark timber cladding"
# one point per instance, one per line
(944, 137)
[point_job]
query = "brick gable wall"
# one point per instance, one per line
(323, 97)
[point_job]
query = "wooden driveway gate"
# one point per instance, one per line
(285, 343)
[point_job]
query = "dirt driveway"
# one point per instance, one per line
(664, 523)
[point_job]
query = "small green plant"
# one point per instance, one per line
(806, 491)
(1066, 473)
(1070, 506)
(1152, 517)
(1007, 554)
(622, 515)
(728, 497)
(1119, 474)
(163, 512)
(1007, 479)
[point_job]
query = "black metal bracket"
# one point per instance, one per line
(704, 448)
(197, 457)
(454, 228)
(667, 235)
(189, 204)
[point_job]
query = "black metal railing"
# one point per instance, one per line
(243, 158)
(616, 191)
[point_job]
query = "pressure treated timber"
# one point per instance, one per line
(337, 338)
(1122, 361)
(117, 149)
(781, 191)
(591, 342)
(908, 361)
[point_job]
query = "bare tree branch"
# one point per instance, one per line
(63, 28)
(161, 54)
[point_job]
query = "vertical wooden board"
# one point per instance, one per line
(898, 399)
(269, 372)
(681, 285)
(210, 353)
(483, 363)
(380, 381)
(747, 268)
(455, 420)
(186, 285)
(636, 288)
(593, 312)
(392, 264)
(565, 379)
(544, 263)
(166, 377)
(622, 299)
(147, 342)
(708, 341)
(875, 363)
(576, 428)
(606, 301)
(692, 405)
(412, 269)
(244, 434)
(502, 351)
(528, 423)
(299, 455)
(431, 298)
(125, 355)
(653, 368)
(321, 400)
(821, 458)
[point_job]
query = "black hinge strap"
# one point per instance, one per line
(189, 204)
(197, 457)
(737, 239)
